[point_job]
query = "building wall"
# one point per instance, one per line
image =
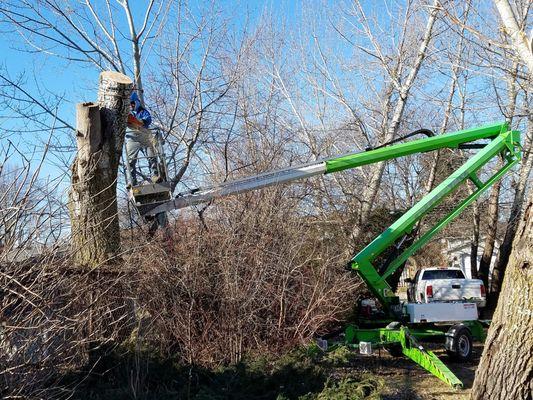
(458, 255)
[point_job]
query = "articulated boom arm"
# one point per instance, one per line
(502, 142)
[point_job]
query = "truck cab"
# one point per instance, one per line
(439, 284)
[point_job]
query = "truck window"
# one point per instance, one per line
(443, 274)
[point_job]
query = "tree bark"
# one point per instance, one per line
(516, 33)
(514, 216)
(136, 47)
(474, 242)
(100, 134)
(506, 367)
(492, 229)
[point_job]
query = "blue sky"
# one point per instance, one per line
(78, 82)
(42, 73)
(58, 76)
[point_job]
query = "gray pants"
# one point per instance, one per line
(137, 140)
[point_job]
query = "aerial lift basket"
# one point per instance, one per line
(149, 193)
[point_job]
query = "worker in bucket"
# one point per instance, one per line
(139, 137)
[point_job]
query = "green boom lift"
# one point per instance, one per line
(400, 327)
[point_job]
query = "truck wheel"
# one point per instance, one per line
(459, 343)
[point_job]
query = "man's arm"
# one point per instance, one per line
(145, 117)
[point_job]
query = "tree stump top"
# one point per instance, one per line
(116, 77)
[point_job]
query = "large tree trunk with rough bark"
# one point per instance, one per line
(514, 216)
(506, 367)
(100, 130)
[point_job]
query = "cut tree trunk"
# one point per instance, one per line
(506, 367)
(100, 130)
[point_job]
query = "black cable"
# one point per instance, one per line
(427, 132)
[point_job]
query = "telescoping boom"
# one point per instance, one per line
(326, 166)
(498, 141)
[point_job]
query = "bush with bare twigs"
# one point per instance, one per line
(255, 278)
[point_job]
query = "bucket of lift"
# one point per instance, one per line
(151, 192)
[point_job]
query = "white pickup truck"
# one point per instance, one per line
(445, 284)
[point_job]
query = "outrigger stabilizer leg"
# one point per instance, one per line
(396, 340)
(412, 349)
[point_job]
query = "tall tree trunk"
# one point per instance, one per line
(100, 134)
(474, 242)
(522, 47)
(506, 367)
(135, 37)
(488, 249)
(514, 216)
(490, 239)
(518, 36)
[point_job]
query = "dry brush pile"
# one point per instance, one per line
(254, 278)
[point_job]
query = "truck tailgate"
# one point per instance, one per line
(455, 289)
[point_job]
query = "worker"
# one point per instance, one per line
(140, 137)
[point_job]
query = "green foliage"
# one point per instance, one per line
(351, 389)
(341, 356)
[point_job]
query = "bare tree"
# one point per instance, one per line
(498, 58)
(493, 210)
(517, 207)
(370, 112)
(392, 125)
(196, 59)
(506, 364)
(84, 32)
(515, 30)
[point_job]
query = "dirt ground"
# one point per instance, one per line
(404, 380)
